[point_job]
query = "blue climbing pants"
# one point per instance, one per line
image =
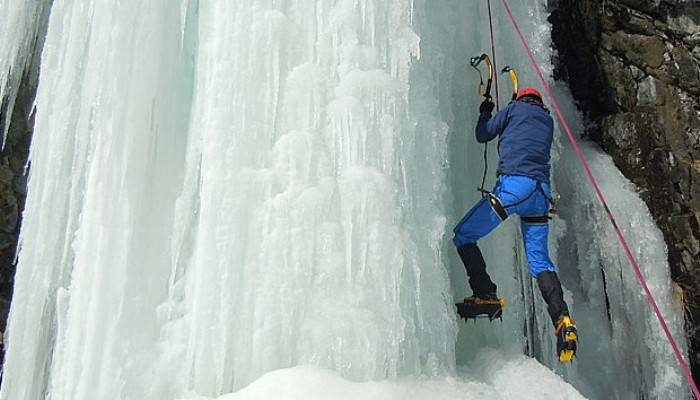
(519, 195)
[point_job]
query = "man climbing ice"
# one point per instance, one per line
(525, 131)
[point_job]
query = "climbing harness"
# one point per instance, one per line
(502, 209)
(603, 202)
(536, 220)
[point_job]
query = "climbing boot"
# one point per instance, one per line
(479, 280)
(567, 337)
(564, 327)
(553, 295)
(488, 306)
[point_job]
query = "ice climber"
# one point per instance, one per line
(525, 130)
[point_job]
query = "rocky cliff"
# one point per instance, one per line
(16, 115)
(633, 67)
(13, 186)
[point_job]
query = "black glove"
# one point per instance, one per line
(486, 106)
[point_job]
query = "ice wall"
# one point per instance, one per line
(314, 237)
(624, 353)
(106, 169)
(221, 189)
(624, 332)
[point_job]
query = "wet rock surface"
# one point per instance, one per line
(18, 119)
(633, 67)
(13, 189)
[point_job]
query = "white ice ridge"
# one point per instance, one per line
(498, 377)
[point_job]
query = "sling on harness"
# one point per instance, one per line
(502, 209)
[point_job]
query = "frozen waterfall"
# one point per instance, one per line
(257, 197)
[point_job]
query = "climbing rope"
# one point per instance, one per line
(492, 76)
(493, 53)
(601, 198)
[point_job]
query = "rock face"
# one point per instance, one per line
(14, 167)
(634, 68)
(13, 190)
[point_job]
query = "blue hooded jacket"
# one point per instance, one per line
(525, 132)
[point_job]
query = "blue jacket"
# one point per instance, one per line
(525, 132)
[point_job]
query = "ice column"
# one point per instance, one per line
(220, 189)
(107, 156)
(311, 243)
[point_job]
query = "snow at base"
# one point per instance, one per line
(499, 376)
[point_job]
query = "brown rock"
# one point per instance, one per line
(685, 69)
(655, 138)
(621, 79)
(9, 209)
(643, 51)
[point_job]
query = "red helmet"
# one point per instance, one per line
(529, 92)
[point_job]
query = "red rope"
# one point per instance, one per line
(604, 203)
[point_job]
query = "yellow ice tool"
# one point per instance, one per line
(513, 77)
(484, 89)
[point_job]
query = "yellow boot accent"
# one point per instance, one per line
(566, 355)
(567, 338)
(500, 302)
